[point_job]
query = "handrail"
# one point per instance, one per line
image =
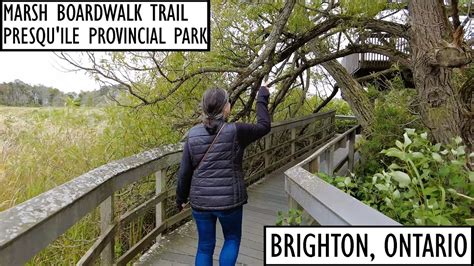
(280, 125)
(336, 142)
(355, 62)
(324, 203)
(31, 226)
(346, 117)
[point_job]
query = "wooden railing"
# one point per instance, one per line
(321, 202)
(354, 62)
(30, 227)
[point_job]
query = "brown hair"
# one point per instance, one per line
(213, 103)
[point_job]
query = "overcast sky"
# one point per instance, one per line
(42, 68)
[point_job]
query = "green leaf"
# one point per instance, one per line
(417, 155)
(437, 157)
(470, 221)
(424, 135)
(461, 150)
(458, 140)
(453, 191)
(298, 220)
(394, 152)
(429, 190)
(399, 144)
(444, 171)
(347, 181)
(402, 178)
(374, 179)
(443, 196)
(440, 220)
(396, 194)
(381, 187)
(410, 131)
(388, 202)
(394, 166)
(404, 214)
(437, 147)
(407, 140)
(279, 221)
(457, 162)
(471, 176)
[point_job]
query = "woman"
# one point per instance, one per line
(211, 173)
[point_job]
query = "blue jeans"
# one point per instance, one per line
(231, 222)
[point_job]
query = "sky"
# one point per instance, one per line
(43, 68)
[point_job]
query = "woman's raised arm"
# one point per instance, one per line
(248, 133)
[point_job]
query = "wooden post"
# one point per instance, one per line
(293, 143)
(342, 143)
(305, 166)
(160, 185)
(323, 128)
(268, 144)
(314, 165)
(333, 125)
(106, 219)
(350, 155)
(330, 160)
(292, 204)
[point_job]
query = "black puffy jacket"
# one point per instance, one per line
(219, 184)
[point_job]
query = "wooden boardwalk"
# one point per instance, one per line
(266, 197)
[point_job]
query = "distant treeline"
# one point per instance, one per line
(19, 93)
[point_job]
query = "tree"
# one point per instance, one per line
(436, 51)
(285, 41)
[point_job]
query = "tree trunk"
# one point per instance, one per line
(440, 103)
(353, 93)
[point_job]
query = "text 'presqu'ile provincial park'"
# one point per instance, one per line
(225, 132)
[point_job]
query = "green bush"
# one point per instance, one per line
(339, 105)
(391, 116)
(294, 217)
(427, 184)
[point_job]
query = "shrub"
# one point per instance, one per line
(293, 217)
(427, 184)
(391, 116)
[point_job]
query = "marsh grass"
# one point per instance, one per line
(41, 148)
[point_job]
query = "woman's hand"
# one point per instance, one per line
(264, 89)
(266, 84)
(181, 206)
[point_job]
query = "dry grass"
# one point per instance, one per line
(41, 148)
(38, 144)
